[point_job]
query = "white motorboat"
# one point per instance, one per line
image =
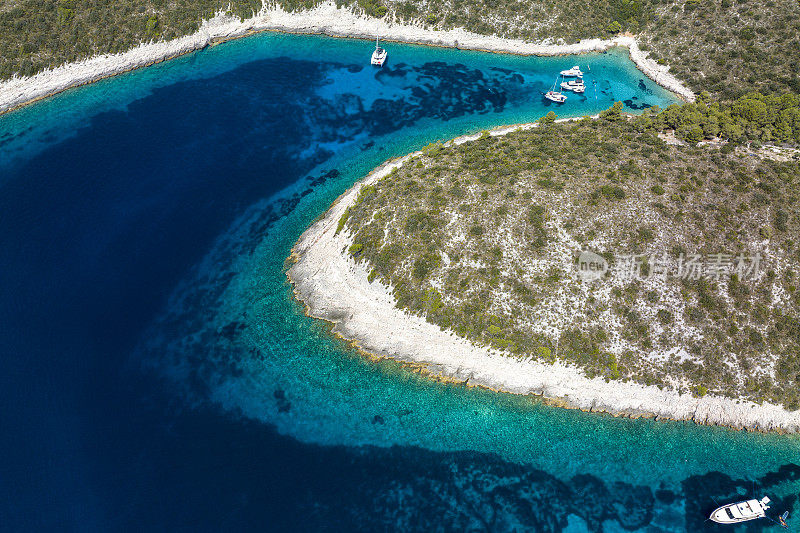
(743, 511)
(574, 85)
(379, 55)
(573, 72)
(555, 96)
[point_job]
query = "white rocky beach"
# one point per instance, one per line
(336, 289)
(325, 19)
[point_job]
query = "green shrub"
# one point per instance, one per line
(613, 113)
(151, 27)
(614, 27)
(611, 192)
(476, 230)
(545, 354)
(549, 118)
(781, 218)
(342, 221)
(373, 8)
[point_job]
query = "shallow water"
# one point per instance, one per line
(156, 372)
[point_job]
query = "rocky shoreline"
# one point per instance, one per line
(336, 289)
(324, 19)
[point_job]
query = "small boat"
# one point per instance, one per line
(379, 55)
(743, 511)
(573, 72)
(555, 96)
(574, 85)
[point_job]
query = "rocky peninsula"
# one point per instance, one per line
(337, 284)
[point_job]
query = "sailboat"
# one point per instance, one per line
(555, 96)
(379, 55)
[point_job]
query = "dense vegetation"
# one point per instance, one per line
(482, 239)
(36, 34)
(756, 117)
(728, 47)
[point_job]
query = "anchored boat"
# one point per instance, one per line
(379, 55)
(743, 511)
(574, 85)
(573, 72)
(555, 96)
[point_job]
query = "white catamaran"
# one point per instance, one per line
(379, 55)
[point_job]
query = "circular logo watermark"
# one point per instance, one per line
(591, 266)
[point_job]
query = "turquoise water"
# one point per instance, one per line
(190, 181)
(609, 77)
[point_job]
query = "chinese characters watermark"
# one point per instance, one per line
(641, 267)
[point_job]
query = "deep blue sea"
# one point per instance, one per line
(156, 374)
